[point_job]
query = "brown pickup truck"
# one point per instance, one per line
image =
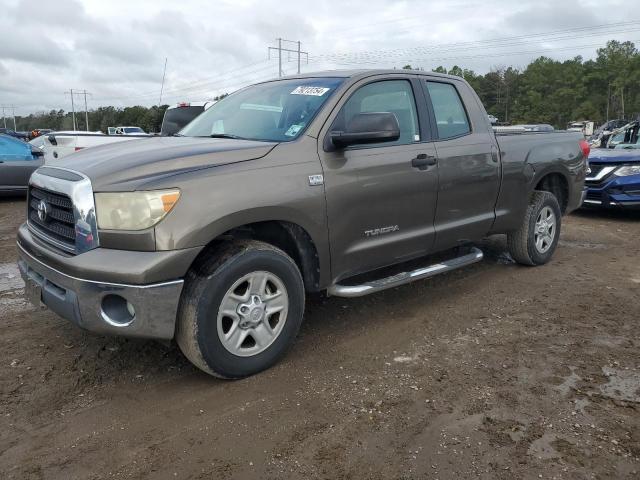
(344, 182)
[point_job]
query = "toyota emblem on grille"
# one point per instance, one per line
(43, 210)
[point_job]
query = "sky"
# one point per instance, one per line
(116, 49)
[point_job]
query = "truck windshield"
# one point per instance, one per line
(278, 111)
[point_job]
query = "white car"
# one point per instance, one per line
(128, 131)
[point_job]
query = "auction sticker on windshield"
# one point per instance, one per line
(315, 91)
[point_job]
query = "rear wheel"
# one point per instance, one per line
(537, 238)
(241, 309)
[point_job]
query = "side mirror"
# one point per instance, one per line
(372, 127)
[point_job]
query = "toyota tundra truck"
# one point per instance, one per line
(347, 182)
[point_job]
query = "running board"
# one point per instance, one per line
(374, 286)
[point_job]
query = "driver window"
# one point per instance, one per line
(394, 96)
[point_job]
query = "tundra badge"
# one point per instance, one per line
(381, 231)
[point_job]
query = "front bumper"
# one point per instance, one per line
(101, 306)
(620, 192)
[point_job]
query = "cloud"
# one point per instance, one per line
(116, 49)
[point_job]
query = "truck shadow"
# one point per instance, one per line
(93, 359)
(620, 215)
(12, 198)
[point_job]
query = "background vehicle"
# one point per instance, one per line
(13, 133)
(586, 127)
(613, 179)
(601, 136)
(57, 145)
(129, 131)
(177, 116)
(39, 131)
(625, 136)
(18, 160)
(327, 182)
(539, 127)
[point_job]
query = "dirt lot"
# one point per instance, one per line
(496, 372)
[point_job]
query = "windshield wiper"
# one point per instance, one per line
(226, 135)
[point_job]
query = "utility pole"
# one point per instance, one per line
(608, 99)
(280, 49)
(164, 72)
(86, 110)
(13, 114)
(73, 108)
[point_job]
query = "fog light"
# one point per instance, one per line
(117, 311)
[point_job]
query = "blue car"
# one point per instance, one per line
(613, 178)
(18, 160)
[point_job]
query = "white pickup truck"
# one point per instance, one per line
(57, 145)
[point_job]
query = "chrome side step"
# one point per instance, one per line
(374, 286)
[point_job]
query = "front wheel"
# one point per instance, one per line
(241, 309)
(537, 238)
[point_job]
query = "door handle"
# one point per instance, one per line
(422, 161)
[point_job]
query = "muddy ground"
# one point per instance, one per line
(495, 372)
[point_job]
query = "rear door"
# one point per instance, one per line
(380, 206)
(468, 163)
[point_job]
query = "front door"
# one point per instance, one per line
(380, 207)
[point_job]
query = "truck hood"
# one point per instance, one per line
(610, 155)
(130, 165)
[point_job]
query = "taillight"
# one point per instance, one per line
(585, 147)
(183, 104)
(78, 148)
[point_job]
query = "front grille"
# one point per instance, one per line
(594, 195)
(58, 227)
(596, 168)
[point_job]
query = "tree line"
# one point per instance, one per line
(546, 91)
(557, 92)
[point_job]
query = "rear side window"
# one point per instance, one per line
(451, 118)
(395, 96)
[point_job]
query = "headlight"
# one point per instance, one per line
(134, 210)
(628, 170)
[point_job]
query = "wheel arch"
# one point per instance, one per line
(292, 237)
(555, 182)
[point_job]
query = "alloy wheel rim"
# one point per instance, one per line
(545, 230)
(252, 313)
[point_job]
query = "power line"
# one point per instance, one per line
(250, 73)
(495, 43)
(550, 36)
(463, 57)
(188, 85)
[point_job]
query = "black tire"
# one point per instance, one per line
(206, 286)
(522, 243)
